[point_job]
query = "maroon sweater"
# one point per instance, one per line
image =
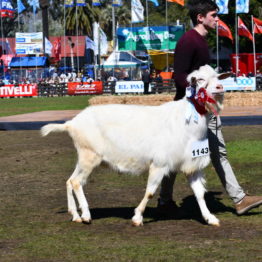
(191, 52)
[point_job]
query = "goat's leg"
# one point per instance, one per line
(155, 177)
(88, 160)
(72, 209)
(197, 183)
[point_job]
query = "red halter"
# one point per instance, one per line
(200, 100)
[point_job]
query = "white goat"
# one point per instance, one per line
(135, 139)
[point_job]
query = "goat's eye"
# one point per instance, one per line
(200, 82)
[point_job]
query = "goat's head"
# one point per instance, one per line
(208, 91)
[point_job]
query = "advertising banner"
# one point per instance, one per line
(129, 87)
(18, 91)
(239, 84)
(77, 88)
(29, 43)
(146, 38)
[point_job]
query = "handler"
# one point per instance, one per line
(191, 53)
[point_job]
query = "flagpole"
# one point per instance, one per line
(217, 44)
(236, 43)
(114, 33)
(2, 36)
(254, 47)
(77, 58)
(167, 58)
(147, 13)
(18, 19)
(64, 38)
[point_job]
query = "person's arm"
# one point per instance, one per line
(182, 65)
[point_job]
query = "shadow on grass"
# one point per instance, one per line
(187, 210)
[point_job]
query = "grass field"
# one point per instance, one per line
(35, 226)
(28, 105)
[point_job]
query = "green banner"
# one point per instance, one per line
(147, 38)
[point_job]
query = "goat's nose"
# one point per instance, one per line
(219, 87)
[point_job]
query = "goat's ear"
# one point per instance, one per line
(193, 81)
(224, 75)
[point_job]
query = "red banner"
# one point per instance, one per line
(17, 91)
(77, 88)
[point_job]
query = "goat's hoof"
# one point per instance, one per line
(137, 224)
(77, 220)
(86, 221)
(213, 221)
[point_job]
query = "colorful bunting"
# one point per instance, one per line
(80, 3)
(155, 2)
(180, 2)
(69, 3)
(117, 3)
(96, 3)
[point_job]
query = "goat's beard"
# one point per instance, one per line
(218, 106)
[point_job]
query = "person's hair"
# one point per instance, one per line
(202, 7)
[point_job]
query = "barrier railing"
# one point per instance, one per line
(107, 87)
(50, 90)
(166, 86)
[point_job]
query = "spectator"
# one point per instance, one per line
(146, 80)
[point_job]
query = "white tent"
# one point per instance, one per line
(122, 59)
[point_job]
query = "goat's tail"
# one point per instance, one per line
(45, 130)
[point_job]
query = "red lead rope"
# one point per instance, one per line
(200, 100)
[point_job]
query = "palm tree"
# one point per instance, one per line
(122, 17)
(86, 15)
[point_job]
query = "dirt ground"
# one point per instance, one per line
(33, 172)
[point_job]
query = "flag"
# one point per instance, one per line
(99, 39)
(7, 9)
(242, 6)
(90, 44)
(69, 3)
(80, 3)
(242, 29)
(103, 42)
(96, 3)
(57, 49)
(223, 6)
(34, 4)
(8, 49)
(180, 2)
(155, 2)
(257, 26)
(20, 6)
(137, 11)
(48, 47)
(223, 30)
(117, 3)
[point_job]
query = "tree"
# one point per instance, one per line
(86, 16)
(122, 18)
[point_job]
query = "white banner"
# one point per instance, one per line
(239, 83)
(129, 87)
(29, 43)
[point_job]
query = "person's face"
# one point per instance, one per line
(210, 20)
